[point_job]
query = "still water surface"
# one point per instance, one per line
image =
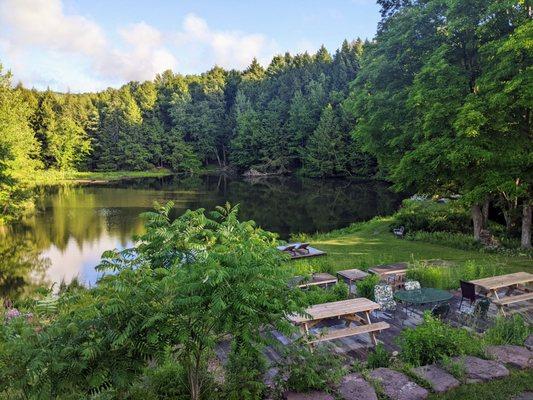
(73, 225)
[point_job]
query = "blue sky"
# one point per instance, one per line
(81, 45)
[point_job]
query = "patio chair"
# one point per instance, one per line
(290, 249)
(384, 297)
(482, 308)
(412, 285)
(399, 232)
(441, 311)
(468, 291)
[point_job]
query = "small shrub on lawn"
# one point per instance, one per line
(434, 340)
(448, 277)
(430, 216)
(365, 287)
(379, 357)
(317, 295)
(511, 330)
(302, 370)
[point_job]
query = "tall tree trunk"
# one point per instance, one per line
(477, 218)
(526, 225)
(485, 211)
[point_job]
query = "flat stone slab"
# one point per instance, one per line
(529, 342)
(517, 356)
(524, 396)
(440, 380)
(354, 387)
(479, 370)
(397, 386)
(309, 396)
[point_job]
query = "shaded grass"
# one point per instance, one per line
(366, 244)
(501, 389)
(52, 177)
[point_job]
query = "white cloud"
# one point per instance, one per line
(33, 26)
(228, 49)
(46, 46)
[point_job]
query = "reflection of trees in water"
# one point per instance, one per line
(21, 266)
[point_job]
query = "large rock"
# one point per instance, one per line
(517, 356)
(478, 370)
(524, 396)
(354, 387)
(529, 342)
(440, 380)
(397, 386)
(309, 396)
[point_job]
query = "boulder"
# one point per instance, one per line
(524, 396)
(529, 342)
(309, 396)
(397, 386)
(516, 356)
(440, 380)
(479, 370)
(354, 387)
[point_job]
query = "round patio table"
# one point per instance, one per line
(422, 296)
(419, 297)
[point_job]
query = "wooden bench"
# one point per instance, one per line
(346, 332)
(514, 299)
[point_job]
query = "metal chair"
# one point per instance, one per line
(441, 311)
(468, 291)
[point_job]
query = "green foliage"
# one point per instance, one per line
(448, 277)
(434, 340)
(508, 330)
(456, 240)
(302, 370)
(379, 357)
(190, 281)
(430, 216)
(365, 287)
(317, 295)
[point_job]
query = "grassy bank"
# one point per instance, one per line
(363, 245)
(51, 177)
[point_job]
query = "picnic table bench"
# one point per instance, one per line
(318, 279)
(394, 274)
(509, 282)
(348, 310)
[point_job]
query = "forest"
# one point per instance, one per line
(438, 102)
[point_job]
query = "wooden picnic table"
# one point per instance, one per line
(319, 279)
(348, 310)
(509, 282)
(352, 275)
(389, 269)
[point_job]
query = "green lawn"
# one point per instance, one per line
(366, 244)
(501, 389)
(51, 177)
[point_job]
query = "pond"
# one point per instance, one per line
(74, 224)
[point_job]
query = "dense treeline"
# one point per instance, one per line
(439, 102)
(443, 101)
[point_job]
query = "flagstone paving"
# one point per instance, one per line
(398, 386)
(440, 380)
(354, 387)
(516, 356)
(478, 370)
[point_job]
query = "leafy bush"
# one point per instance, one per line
(379, 357)
(510, 330)
(430, 216)
(365, 287)
(302, 370)
(317, 295)
(456, 240)
(448, 277)
(434, 340)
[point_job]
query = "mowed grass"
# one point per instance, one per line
(364, 245)
(498, 389)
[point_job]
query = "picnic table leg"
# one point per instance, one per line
(372, 334)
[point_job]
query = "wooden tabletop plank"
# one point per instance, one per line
(389, 269)
(353, 274)
(335, 309)
(502, 281)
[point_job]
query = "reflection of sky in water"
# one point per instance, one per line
(75, 225)
(76, 261)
